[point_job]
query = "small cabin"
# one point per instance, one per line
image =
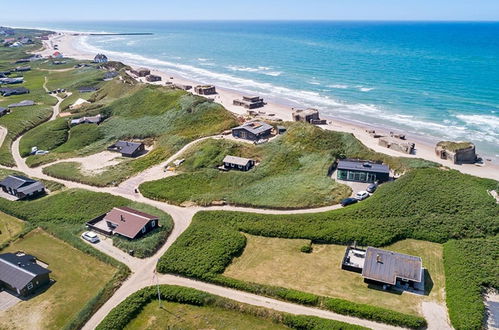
(253, 131)
(22, 187)
(237, 163)
(127, 148)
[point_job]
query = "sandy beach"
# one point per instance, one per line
(275, 110)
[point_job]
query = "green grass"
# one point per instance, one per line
(10, 227)
(279, 262)
(68, 211)
(47, 136)
(454, 146)
(20, 120)
(192, 309)
(425, 204)
(293, 171)
(73, 286)
(75, 78)
(471, 266)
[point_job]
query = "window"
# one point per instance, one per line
(143, 229)
(30, 285)
(153, 223)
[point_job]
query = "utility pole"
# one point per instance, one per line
(157, 285)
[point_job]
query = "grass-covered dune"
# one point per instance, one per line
(293, 171)
(68, 211)
(426, 204)
(171, 118)
(471, 266)
(207, 311)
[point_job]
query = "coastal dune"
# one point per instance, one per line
(424, 148)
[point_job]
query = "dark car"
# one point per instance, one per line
(372, 188)
(348, 201)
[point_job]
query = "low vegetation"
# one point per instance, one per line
(203, 310)
(10, 227)
(68, 211)
(293, 172)
(426, 204)
(471, 267)
(78, 278)
(47, 136)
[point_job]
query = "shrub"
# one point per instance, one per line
(306, 248)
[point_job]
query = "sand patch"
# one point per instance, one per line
(98, 163)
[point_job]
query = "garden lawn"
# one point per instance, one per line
(9, 227)
(78, 277)
(175, 315)
(293, 171)
(279, 262)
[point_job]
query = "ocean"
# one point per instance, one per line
(438, 80)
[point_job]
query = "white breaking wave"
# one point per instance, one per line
(261, 69)
(369, 113)
(365, 89)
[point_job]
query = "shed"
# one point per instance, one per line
(21, 186)
(253, 131)
(21, 274)
(238, 163)
(362, 171)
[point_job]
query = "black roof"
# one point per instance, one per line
(17, 270)
(126, 147)
(386, 266)
(16, 181)
(363, 166)
(87, 89)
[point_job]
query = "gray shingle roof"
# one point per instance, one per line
(16, 181)
(236, 160)
(255, 127)
(386, 266)
(18, 271)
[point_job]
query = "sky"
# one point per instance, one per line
(447, 10)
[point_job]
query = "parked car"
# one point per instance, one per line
(90, 236)
(348, 201)
(372, 188)
(361, 195)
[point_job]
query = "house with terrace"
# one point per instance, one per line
(21, 187)
(362, 171)
(253, 131)
(125, 222)
(386, 268)
(21, 274)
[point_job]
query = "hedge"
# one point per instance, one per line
(126, 311)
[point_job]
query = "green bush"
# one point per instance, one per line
(306, 248)
(471, 266)
(47, 136)
(302, 322)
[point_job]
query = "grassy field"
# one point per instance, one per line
(143, 115)
(293, 171)
(9, 227)
(78, 277)
(186, 308)
(68, 211)
(181, 316)
(279, 262)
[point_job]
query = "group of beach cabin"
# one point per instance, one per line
(124, 222)
(205, 89)
(21, 187)
(21, 274)
(385, 268)
(127, 148)
(249, 102)
(253, 131)
(100, 58)
(362, 171)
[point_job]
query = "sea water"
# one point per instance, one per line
(439, 80)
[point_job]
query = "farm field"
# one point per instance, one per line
(181, 316)
(9, 227)
(78, 278)
(279, 262)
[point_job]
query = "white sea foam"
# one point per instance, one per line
(485, 120)
(338, 86)
(365, 89)
(200, 59)
(261, 69)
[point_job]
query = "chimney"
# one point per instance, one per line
(378, 259)
(122, 218)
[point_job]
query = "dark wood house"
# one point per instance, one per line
(21, 186)
(127, 149)
(237, 163)
(21, 274)
(362, 171)
(253, 131)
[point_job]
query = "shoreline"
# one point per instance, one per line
(283, 110)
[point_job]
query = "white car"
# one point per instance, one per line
(361, 195)
(90, 236)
